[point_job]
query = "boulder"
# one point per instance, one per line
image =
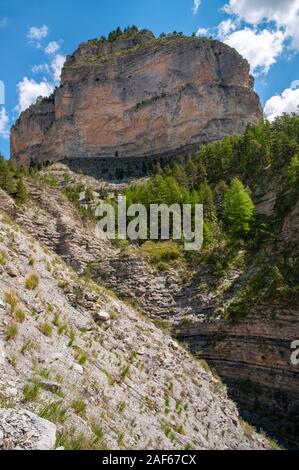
(23, 430)
(101, 316)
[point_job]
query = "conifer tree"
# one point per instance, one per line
(293, 171)
(206, 198)
(179, 174)
(7, 182)
(167, 171)
(226, 153)
(220, 192)
(202, 173)
(158, 169)
(21, 195)
(185, 196)
(191, 172)
(194, 197)
(238, 209)
(174, 191)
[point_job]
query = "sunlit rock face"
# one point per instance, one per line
(139, 96)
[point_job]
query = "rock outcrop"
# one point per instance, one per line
(253, 357)
(114, 384)
(138, 96)
(23, 430)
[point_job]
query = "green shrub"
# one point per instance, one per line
(54, 412)
(79, 407)
(121, 406)
(69, 439)
(109, 377)
(12, 300)
(204, 365)
(31, 261)
(3, 257)
(82, 358)
(20, 316)
(46, 329)
(163, 325)
(45, 373)
(31, 391)
(72, 337)
(11, 331)
(161, 253)
(293, 171)
(125, 372)
(32, 281)
(263, 284)
(120, 243)
(13, 360)
(47, 180)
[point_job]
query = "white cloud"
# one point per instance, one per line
(29, 90)
(56, 66)
(226, 27)
(52, 48)
(196, 6)
(41, 68)
(255, 11)
(36, 34)
(202, 32)
(52, 69)
(284, 13)
(287, 102)
(260, 48)
(4, 124)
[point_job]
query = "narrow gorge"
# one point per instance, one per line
(138, 116)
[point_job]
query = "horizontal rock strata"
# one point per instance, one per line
(139, 96)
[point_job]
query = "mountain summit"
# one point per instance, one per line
(133, 95)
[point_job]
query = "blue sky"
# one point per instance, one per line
(36, 35)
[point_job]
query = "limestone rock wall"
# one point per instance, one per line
(253, 358)
(136, 97)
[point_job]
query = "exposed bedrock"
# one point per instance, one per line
(138, 97)
(252, 357)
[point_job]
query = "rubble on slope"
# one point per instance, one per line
(117, 382)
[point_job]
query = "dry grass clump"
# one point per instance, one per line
(32, 281)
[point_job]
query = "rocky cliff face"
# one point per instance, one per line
(76, 356)
(252, 357)
(139, 96)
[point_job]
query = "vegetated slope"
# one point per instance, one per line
(76, 355)
(236, 302)
(244, 293)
